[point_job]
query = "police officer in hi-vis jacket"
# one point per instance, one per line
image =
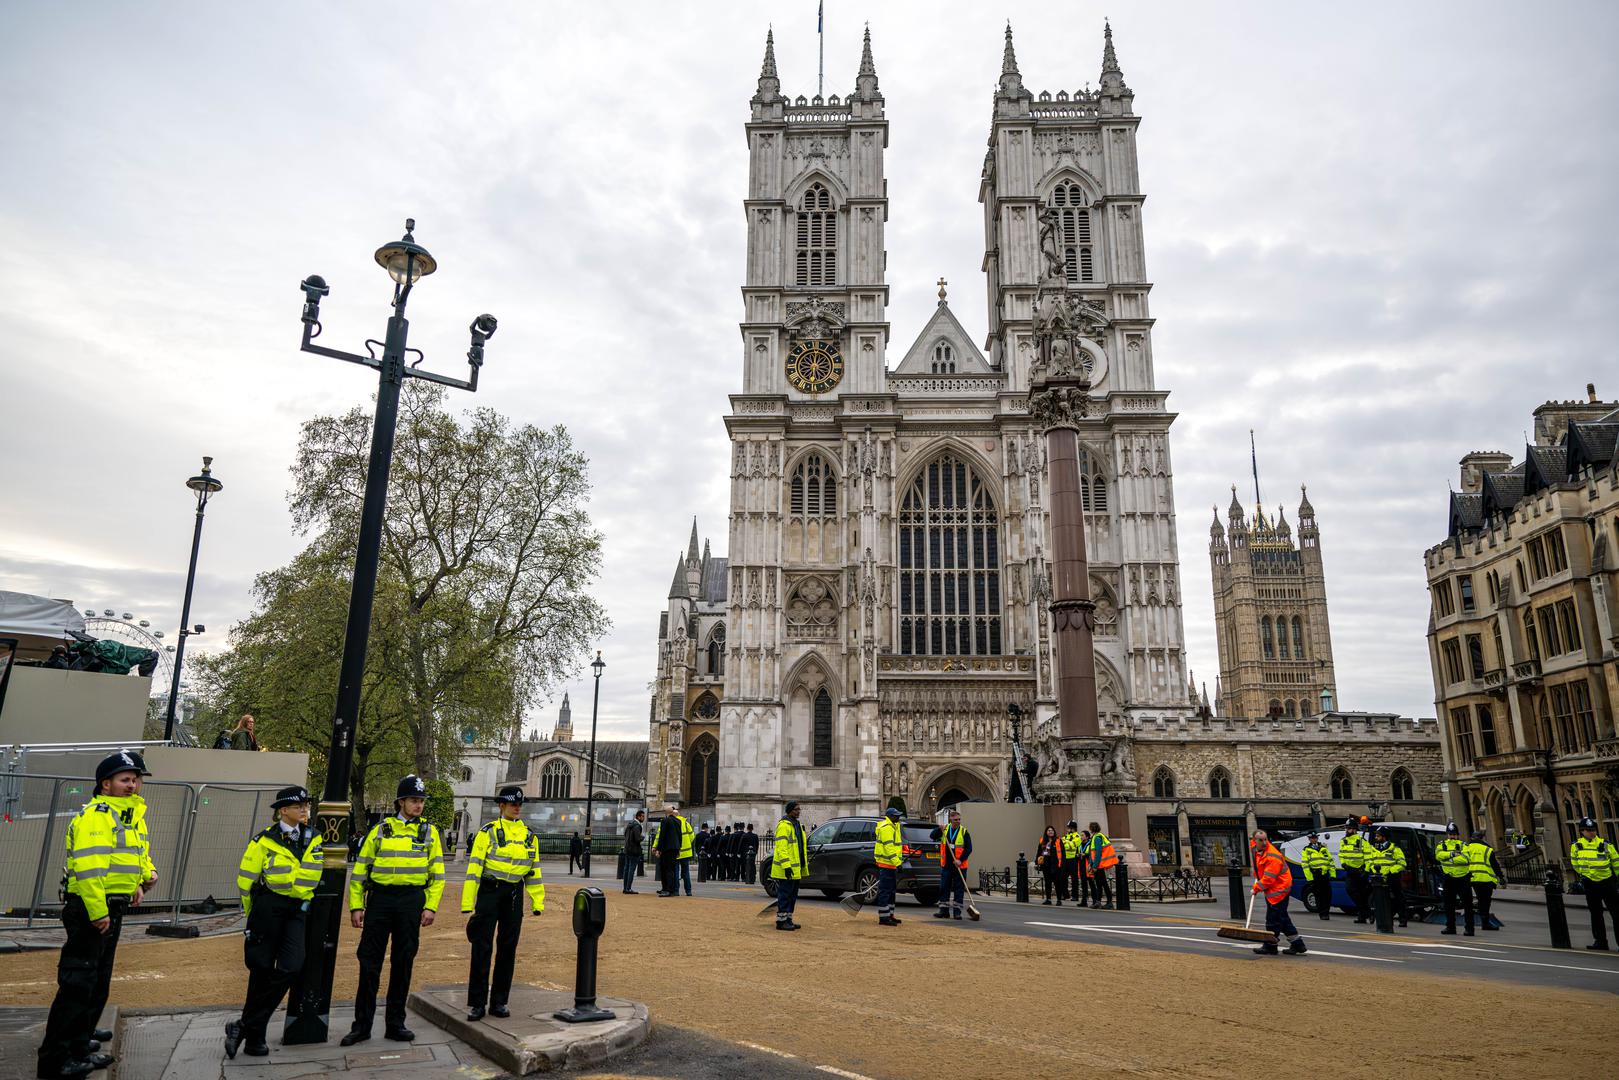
(505, 865)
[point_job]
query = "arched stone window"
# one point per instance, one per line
(706, 707)
(1400, 785)
(703, 772)
(1298, 639)
(1274, 708)
(1219, 783)
(814, 489)
(466, 775)
(1266, 638)
(823, 727)
(1342, 786)
(1163, 783)
(1092, 484)
(716, 651)
(944, 359)
(1290, 708)
(1282, 650)
(556, 780)
(950, 563)
(1074, 232)
(817, 259)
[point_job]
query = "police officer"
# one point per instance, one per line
(1484, 872)
(1388, 859)
(1071, 847)
(279, 872)
(687, 839)
(750, 854)
(505, 864)
(1353, 852)
(955, 846)
(394, 891)
(1318, 873)
(1451, 854)
(789, 863)
(104, 876)
(890, 852)
(1597, 861)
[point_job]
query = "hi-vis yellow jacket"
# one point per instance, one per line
(399, 852)
(106, 851)
(504, 851)
(288, 864)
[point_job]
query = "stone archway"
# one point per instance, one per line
(950, 785)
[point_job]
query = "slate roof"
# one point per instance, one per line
(1466, 511)
(1545, 466)
(1592, 445)
(1502, 490)
(715, 586)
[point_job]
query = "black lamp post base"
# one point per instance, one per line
(584, 1014)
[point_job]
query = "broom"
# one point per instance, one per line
(967, 894)
(1243, 933)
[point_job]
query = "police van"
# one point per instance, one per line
(1421, 879)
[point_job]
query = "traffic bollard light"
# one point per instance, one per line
(1121, 887)
(1382, 913)
(1556, 913)
(1234, 887)
(589, 919)
(1022, 878)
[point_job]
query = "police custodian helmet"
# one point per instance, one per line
(113, 764)
(411, 787)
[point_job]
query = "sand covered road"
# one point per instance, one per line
(888, 1003)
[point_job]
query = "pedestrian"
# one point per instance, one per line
(1103, 860)
(394, 891)
(1318, 873)
(750, 854)
(1484, 873)
(633, 832)
(733, 852)
(1451, 855)
(687, 842)
(104, 875)
(276, 879)
(668, 847)
(1597, 861)
(1353, 853)
(1048, 860)
(504, 866)
(955, 847)
(1388, 859)
(1272, 877)
(889, 853)
(1072, 848)
(700, 848)
(576, 848)
(789, 862)
(239, 737)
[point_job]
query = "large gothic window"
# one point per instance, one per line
(1219, 783)
(1400, 785)
(823, 727)
(1092, 484)
(814, 489)
(703, 772)
(950, 564)
(1163, 783)
(1298, 639)
(1342, 786)
(1074, 232)
(556, 780)
(817, 238)
(1281, 637)
(716, 651)
(1266, 639)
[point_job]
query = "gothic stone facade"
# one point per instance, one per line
(1524, 631)
(886, 592)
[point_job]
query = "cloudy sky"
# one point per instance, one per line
(1379, 235)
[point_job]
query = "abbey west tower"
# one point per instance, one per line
(885, 597)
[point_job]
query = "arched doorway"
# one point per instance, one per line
(955, 785)
(703, 771)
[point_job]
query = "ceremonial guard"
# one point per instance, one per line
(279, 872)
(104, 876)
(505, 864)
(394, 891)
(750, 854)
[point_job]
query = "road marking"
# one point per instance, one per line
(766, 1049)
(841, 1072)
(1203, 941)
(1535, 963)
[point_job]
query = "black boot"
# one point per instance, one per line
(257, 1048)
(233, 1038)
(500, 1010)
(400, 1034)
(475, 1013)
(1268, 949)
(1297, 948)
(354, 1037)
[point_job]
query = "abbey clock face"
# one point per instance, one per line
(814, 367)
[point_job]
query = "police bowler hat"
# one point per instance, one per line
(113, 764)
(290, 796)
(511, 794)
(1587, 823)
(412, 787)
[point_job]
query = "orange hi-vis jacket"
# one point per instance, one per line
(953, 846)
(1271, 875)
(1102, 853)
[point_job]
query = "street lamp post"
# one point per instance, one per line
(206, 485)
(597, 666)
(406, 262)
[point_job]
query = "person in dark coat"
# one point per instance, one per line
(700, 848)
(633, 834)
(750, 854)
(669, 832)
(1048, 857)
(576, 848)
(736, 852)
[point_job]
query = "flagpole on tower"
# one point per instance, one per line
(820, 65)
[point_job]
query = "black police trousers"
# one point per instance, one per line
(1359, 887)
(1323, 897)
(274, 950)
(496, 924)
(1458, 893)
(1600, 895)
(391, 911)
(83, 979)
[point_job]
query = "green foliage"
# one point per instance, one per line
(440, 810)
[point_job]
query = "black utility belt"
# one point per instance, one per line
(497, 883)
(398, 888)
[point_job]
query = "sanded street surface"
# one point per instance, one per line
(881, 1003)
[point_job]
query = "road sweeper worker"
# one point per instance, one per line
(1597, 861)
(789, 863)
(955, 846)
(1272, 877)
(1102, 861)
(276, 880)
(1388, 859)
(1451, 854)
(1353, 852)
(1318, 872)
(394, 891)
(890, 852)
(1484, 873)
(505, 865)
(106, 865)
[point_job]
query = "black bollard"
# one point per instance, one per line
(1382, 913)
(1234, 887)
(1121, 887)
(1022, 878)
(589, 919)
(1556, 913)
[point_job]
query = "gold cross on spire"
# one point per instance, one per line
(942, 284)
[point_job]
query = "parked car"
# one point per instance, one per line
(1422, 872)
(842, 859)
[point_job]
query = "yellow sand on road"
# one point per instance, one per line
(889, 1003)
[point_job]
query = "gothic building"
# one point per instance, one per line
(886, 592)
(1270, 614)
